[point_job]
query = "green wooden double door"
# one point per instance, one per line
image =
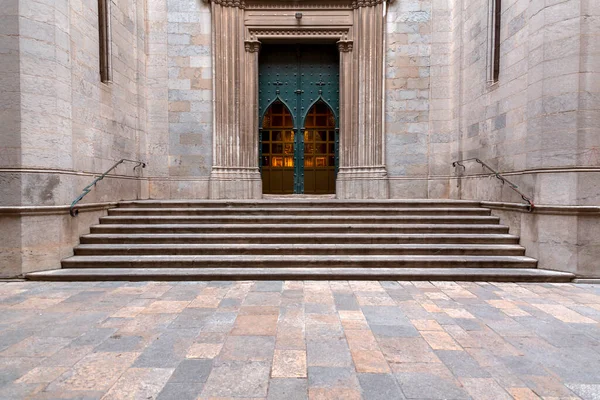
(298, 118)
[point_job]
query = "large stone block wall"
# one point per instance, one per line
(407, 96)
(61, 126)
(540, 123)
(179, 141)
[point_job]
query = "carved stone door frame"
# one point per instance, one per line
(238, 29)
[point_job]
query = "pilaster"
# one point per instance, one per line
(362, 172)
(235, 172)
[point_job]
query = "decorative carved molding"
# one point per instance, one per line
(345, 46)
(270, 32)
(366, 3)
(294, 6)
(229, 3)
(252, 46)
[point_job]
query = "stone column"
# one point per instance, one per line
(362, 173)
(235, 173)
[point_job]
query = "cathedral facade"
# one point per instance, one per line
(239, 99)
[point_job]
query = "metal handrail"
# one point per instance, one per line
(498, 176)
(73, 211)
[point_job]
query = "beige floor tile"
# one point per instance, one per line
(204, 350)
(289, 364)
(440, 340)
(257, 325)
(368, 361)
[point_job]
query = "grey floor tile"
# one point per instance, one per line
(379, 387)
(288, 389)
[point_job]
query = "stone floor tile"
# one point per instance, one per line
(192, 371)
(394, 331)
(355, 325)
(165, 307)
(407, 350)
(332, 377)
(564, 314)
(36, 347)
(361, 340)
(42, 375)
(370, 361)
(220, 321)
(379, 315)
(191, 318)
(268, 286)
(290, 339)
(238, 379)
(181, 391)
(167, 350)
(288, 389)
(139, 383)
(356, 315)
(256, 325)
(333, 394)
(484, 389)
(522, 393)
(425, 385)
(332, 352)
(95, 372)
(250, 348)
(381, 300)
(204, 350)
(262, 299)
(427, 325)
(67, 356)
(440, 340)
(259, 310)
(230, 304)
(379, 387)
(205, 301)
(345, 301)
(461, 364)
(122, 343)
(585, 391)
(289, 364)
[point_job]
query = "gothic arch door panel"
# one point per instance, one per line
(299, 86)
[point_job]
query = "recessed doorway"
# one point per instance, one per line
(298, 120)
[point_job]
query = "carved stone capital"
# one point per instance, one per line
(229, 3)
(252, 46)
(345, 46)
(366, 3)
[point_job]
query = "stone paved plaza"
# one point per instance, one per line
(296, 340)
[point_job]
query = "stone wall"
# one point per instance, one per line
(540, 123)
(179, 141)
(61, 126)
(407, 96)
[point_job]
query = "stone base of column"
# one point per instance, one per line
(235, 183)
(362, 183)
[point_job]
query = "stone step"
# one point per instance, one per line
(404, 274)
(296, 203)
(293, 219)
(268, 229)
(298, 249)
(370, 211)
(300, 238)
(299, 261)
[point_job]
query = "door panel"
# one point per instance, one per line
(304, 80)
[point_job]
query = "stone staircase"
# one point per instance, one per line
(300, 239)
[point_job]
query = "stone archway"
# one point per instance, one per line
(238, 29)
